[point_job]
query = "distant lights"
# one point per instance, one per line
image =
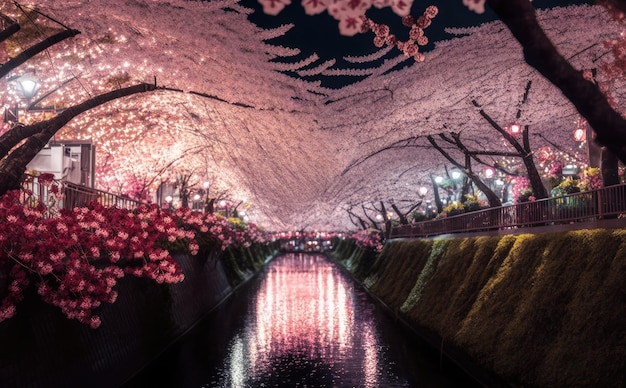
(515, 128)
(570, 170)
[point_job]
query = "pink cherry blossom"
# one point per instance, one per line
(273, 7)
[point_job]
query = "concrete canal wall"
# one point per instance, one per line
(42, 348)
(543, 310)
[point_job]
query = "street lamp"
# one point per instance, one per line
(423, 190)
(27, 86)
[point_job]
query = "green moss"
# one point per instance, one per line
(461, 273)
(396, 266)
(538, 310)
(424, 276)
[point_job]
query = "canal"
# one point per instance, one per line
(300, 323)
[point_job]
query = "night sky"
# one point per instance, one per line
(320, 33)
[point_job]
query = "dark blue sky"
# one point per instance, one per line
(320, 33)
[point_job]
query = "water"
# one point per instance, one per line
(300, 323)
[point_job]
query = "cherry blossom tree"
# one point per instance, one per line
(540, 53)
(38, 135)
(267, 127)
(519, 16)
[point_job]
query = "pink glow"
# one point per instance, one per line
(306, 308)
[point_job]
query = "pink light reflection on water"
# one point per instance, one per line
(304, 307)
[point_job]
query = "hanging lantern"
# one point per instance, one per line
(579, 135)
(515, 128)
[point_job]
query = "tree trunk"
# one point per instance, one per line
(438, 202)
(12, 168)
(493, 199)
(539, 52)
(15, 135)
(401, 216)
(609, 168)
(524, 151)
(11, 29)
(539, 190)
(34, 50)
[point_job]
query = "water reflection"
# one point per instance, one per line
(301, 323)
(301, 328)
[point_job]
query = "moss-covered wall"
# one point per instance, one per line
(544, 310)
(40, 347)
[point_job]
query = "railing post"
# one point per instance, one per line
(600, 204)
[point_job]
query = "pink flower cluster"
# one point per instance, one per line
(219, 231)
(556, 170)
(417, 38)
(368, 239)
(521, 185)
(75, 258)
(592, 179)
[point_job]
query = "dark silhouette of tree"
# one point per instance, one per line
(466, 167)
(9, 27)
(524, 151)
(539, 52)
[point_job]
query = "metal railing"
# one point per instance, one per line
(608, 202)
(72, 195)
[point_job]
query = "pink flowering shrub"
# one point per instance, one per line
(75, 258)
(521, 190)
(214, 230)
(368, 239)
(591, 179)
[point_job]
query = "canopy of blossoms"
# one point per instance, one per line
(299, 153)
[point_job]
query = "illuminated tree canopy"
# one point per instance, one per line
(229, 109)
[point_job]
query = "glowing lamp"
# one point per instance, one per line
(489, 172)
(515, 129)
(423, 191)
(27, 86)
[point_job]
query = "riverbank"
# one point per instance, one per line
(42, 348)
(535, 309)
